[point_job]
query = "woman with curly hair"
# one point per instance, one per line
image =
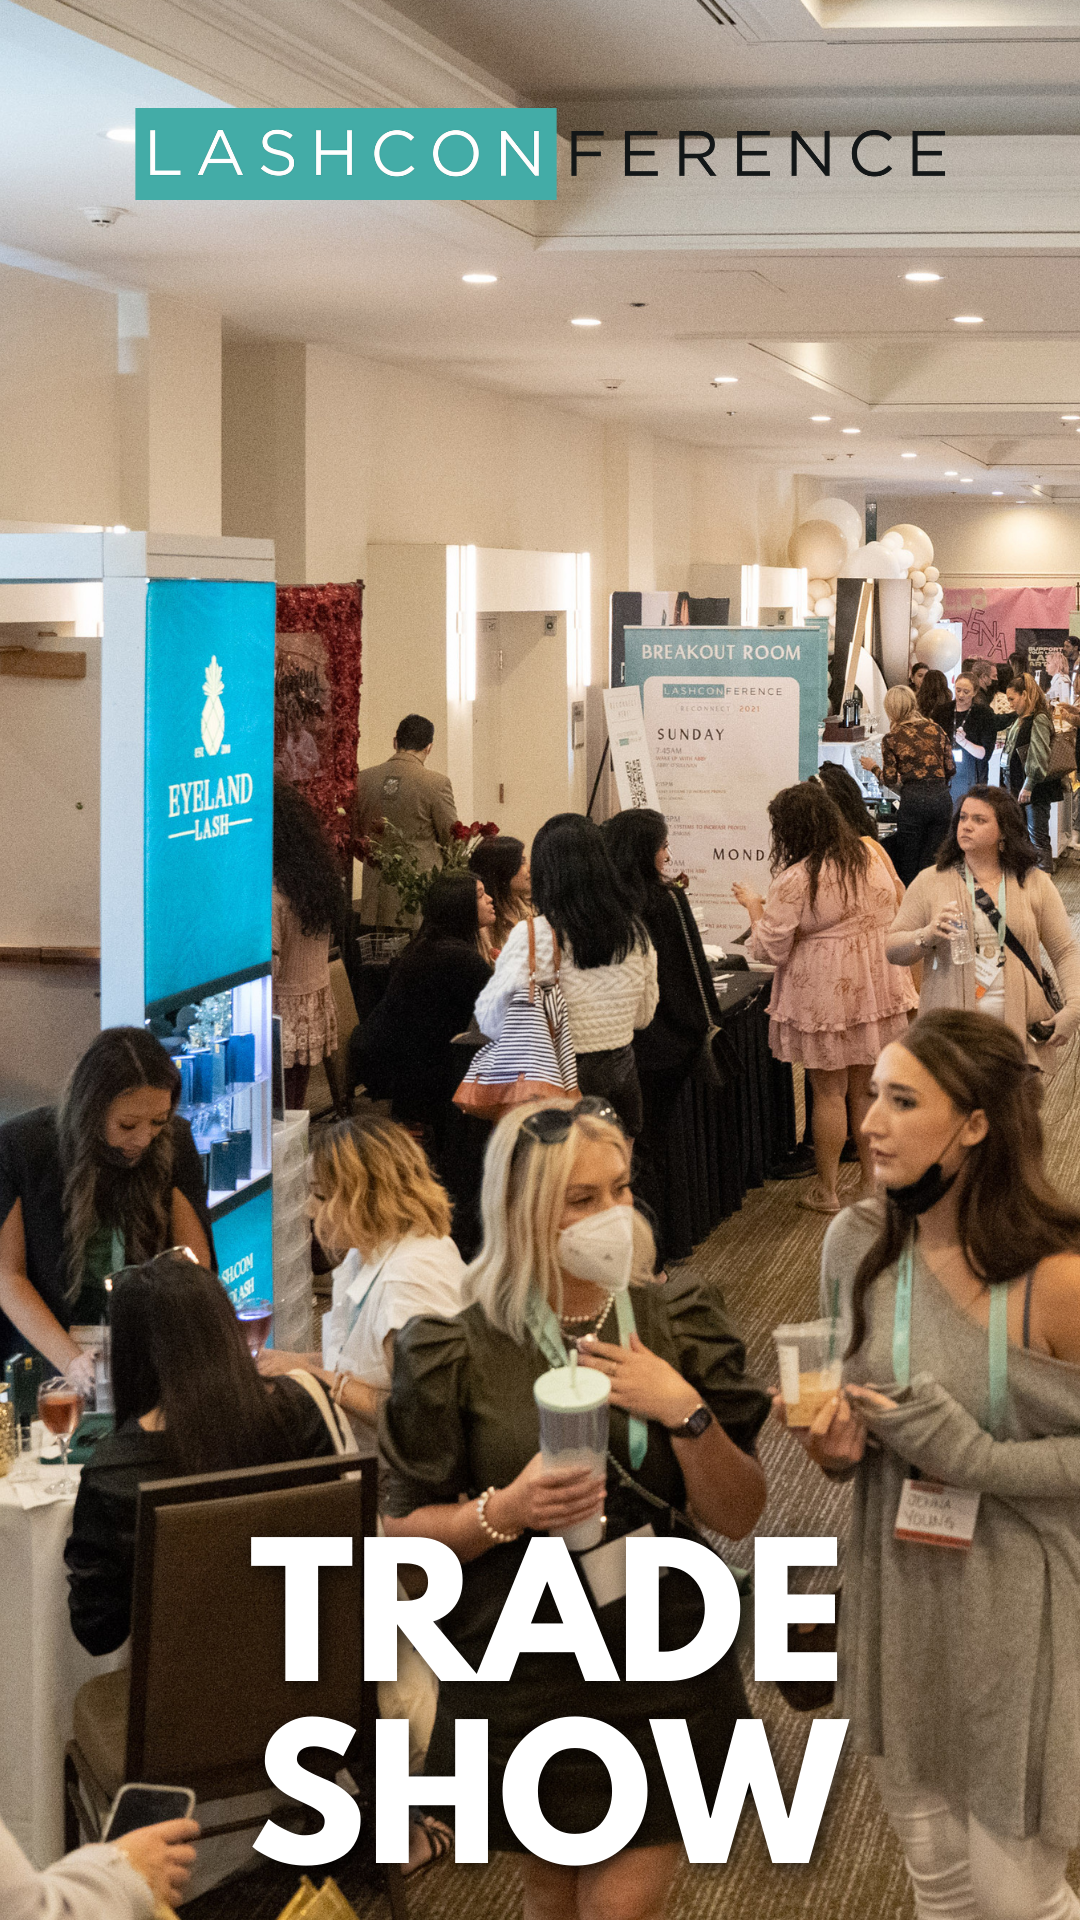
(307, 900)
(835, 1000)
(107, 1177)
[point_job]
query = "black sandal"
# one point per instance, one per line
(440, 1839)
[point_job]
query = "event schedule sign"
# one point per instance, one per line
(731, 716)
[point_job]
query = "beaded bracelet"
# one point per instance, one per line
(500, 1539)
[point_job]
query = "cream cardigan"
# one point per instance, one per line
(1034, 912)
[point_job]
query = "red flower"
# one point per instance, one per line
(460, 831)
(490, 830)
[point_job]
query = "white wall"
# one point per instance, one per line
(982, 542)
(59, 456)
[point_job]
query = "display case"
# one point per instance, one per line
(222, 1047)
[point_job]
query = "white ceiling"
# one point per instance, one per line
(827, 332)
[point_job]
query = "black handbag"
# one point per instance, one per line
(717, 1060)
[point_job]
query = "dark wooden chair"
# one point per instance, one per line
(206, 1686)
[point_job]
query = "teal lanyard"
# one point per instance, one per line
(1001, 908)
(545, 1330)
(999, 1339)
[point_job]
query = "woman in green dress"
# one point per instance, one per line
(564, 1253)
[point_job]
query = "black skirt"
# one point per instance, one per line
(575, 1787)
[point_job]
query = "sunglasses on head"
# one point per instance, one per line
(138, 1265)
(552, 1124)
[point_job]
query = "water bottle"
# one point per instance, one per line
(961, 942)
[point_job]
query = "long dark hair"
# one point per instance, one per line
(576, 888)
(497, 861)
(451, 910)
(844, 789)
(933, 693)
(633, 839)
(808, 825)
(1016, 853)
(177, 1346)
(134, 1200)
(305, 867)
(1009, 1215)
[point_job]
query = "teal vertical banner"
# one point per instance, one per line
(244, 1244)
(208, 796)
(340, 153)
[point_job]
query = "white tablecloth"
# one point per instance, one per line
(42, 1667)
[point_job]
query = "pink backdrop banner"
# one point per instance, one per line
(991, 615)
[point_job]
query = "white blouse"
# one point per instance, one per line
(375, 1297)
(605, 1005)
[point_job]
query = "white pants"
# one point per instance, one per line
(960, 1869)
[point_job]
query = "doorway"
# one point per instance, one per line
(520, 743)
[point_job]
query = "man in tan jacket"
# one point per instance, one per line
(419, 803)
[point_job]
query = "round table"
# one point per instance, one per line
(42, 1665)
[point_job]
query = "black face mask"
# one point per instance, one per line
(930, 1187)
(922, 1194)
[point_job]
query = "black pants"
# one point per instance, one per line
(612, 1075)
(1038, 822)
(921, 826)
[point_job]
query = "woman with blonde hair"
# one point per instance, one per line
(562, 1263)
(1025, 758)
(917, 763)
(377, 1206)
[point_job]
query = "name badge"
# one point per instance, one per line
(934, 1515)
(605, 1567)
(986, 972)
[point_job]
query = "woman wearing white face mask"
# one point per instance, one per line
(563, 1251)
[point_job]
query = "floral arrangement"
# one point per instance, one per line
(388, 849)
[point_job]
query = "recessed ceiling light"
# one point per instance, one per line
(997, 493)
(922, 279)
(951, 473)
(851, 429)
(725, 380)
(966, 480)
(821, 419)
(1071, 416)
(967, 320)
(479, 279)
(584, 321)
(909, 456)
(124, 134)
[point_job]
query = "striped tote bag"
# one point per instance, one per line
(533, 1058)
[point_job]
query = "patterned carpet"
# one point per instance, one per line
(765, 1261)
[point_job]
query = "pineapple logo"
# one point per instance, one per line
(213, 713)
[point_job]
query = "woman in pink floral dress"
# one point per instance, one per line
(306, 905)
(836, 1002)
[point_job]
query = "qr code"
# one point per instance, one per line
(638, 795)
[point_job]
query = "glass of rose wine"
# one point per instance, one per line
(255, 1323)
(60, 1406)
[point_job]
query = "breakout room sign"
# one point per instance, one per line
(361, 153)
(731, 716)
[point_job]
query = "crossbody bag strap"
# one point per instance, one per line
(1015, 946)
(334, 1420)
(710, 1023)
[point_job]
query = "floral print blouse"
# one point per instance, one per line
(916, 749)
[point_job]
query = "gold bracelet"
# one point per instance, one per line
(493, 1534)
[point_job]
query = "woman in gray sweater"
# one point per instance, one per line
(958, 1293)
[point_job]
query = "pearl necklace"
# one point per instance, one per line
(582, 1320)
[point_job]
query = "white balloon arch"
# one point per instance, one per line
(902, 551)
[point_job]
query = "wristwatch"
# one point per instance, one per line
(694, 1425)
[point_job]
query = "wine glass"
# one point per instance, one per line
(60, 1405)
(255, 1322)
